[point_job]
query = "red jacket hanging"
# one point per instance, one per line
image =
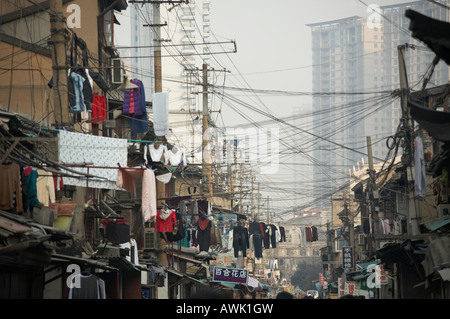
(165, 220)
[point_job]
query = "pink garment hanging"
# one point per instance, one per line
(149, 207)
(126, 178)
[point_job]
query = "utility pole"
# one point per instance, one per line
(157, 49)
(351, 224)
(259, 202)
(409, 128)
(241, 195)
(268, 210)
(206, 167)
(370, 187)
(58, 44)
(252, 210)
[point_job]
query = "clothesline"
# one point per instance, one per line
(128, 140)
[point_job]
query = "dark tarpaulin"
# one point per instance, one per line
(436, 123)
(434, 33)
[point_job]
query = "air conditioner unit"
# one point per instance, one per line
(443, 210)
(150, 239)
(116, 71)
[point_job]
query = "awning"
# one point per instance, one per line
(362, 272)
(437, 256)
(59, 258)
(186, 277)
(436, 123)
(435, 224)
(404, 252)
(434, 33)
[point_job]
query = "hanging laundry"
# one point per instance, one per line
(126, 179)
(156, 152)
(149, 204)
(160, 107)
(194, 212)
(204, 233)
(258, 244)
(254, 228)
(385, 226)
(366, 226)
(99, 80)
(139, 120)
(315, 234)
(295, 236)
(241, 240)
(273, 236)
(156, 276)
(58, 182)
(303, 236)
(23, 184)
(98, 150)
(87, 90)
(32, 176)
(397, 226)
(282, 234)
(266, 236)
(420, 183)
(98, 109)
(76, 96)
(204, 207)
(86, 286)
(179, 231)
(165, 220)
(128, 101)
(79, 91)
(164, 178)
(117, 232)
(216, 237)
(174, 157)
(45, 188)
(10, 185)
(308, 232)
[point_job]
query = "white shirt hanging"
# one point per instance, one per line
(156, 153)
(164, 178)
(174, 157)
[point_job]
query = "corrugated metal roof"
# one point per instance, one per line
(435, 224)
(437, 256)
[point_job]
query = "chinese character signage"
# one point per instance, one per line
(347, 257)
(321, 279)
(233, 275)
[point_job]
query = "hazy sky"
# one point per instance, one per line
(273, 52)
(273, 41)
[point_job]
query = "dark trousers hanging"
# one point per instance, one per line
(257, 244)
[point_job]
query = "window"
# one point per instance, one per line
(108, 29)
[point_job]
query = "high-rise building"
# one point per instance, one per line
(359, 54)
(184, 36)
(141, 42)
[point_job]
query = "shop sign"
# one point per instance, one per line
(347, 257)
(321, 279)
(233, 275)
